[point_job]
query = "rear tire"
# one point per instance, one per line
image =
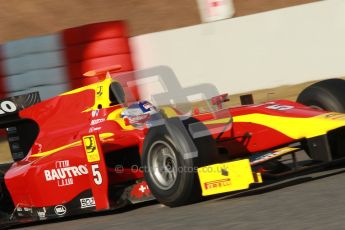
(163, 158)
(326, 95)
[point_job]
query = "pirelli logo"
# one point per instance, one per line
(226, 177)
(217, 184)
(91, 148)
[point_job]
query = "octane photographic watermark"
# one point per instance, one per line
(180, 169)
(165, 90)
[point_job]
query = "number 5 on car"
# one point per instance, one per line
(97, 170)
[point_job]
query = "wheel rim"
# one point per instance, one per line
(162, 165)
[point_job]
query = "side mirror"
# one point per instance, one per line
(118, 92)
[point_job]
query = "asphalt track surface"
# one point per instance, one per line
(309, 201)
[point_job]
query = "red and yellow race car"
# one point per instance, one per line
(89, 149)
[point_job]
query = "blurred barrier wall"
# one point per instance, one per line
(2, 75)
(21, 19)
(35, 64)
(55, 63)
(95, 46)
(285, 46)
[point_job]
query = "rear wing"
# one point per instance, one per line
(20, 133)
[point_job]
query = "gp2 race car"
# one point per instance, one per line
(89, 150)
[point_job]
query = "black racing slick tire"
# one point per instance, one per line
(326, 95)
(171, 176)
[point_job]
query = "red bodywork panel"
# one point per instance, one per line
(62, 122)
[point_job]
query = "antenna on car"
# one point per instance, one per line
(103, 71)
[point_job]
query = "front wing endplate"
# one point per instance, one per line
(227, 177)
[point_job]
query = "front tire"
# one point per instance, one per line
(326, 95)
(171, 177)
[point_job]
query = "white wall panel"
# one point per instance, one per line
(270, 49)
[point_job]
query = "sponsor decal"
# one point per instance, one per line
(91, 148)
(140, 191)
(217, 183)
(94, 113)
(60, 210)
(143, 188)
(265, 156)
(97, 121)
(27, 209)
(146, 106)
(142, 118)
(99, 90)
(93, 129)
(87, 202)
(280, 107)
(7, 107)
(64, 173)
(24, 211)
(41, 213)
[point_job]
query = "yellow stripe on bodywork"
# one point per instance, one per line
(74, 144)
(296, 128)
(116, 116)
(47, 153)
(217, 121)
(169, 112)
(100, 99)
(105, 135)
(81, 89)
(227, 177)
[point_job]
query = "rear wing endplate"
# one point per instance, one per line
(10, 106)
(20, 133)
